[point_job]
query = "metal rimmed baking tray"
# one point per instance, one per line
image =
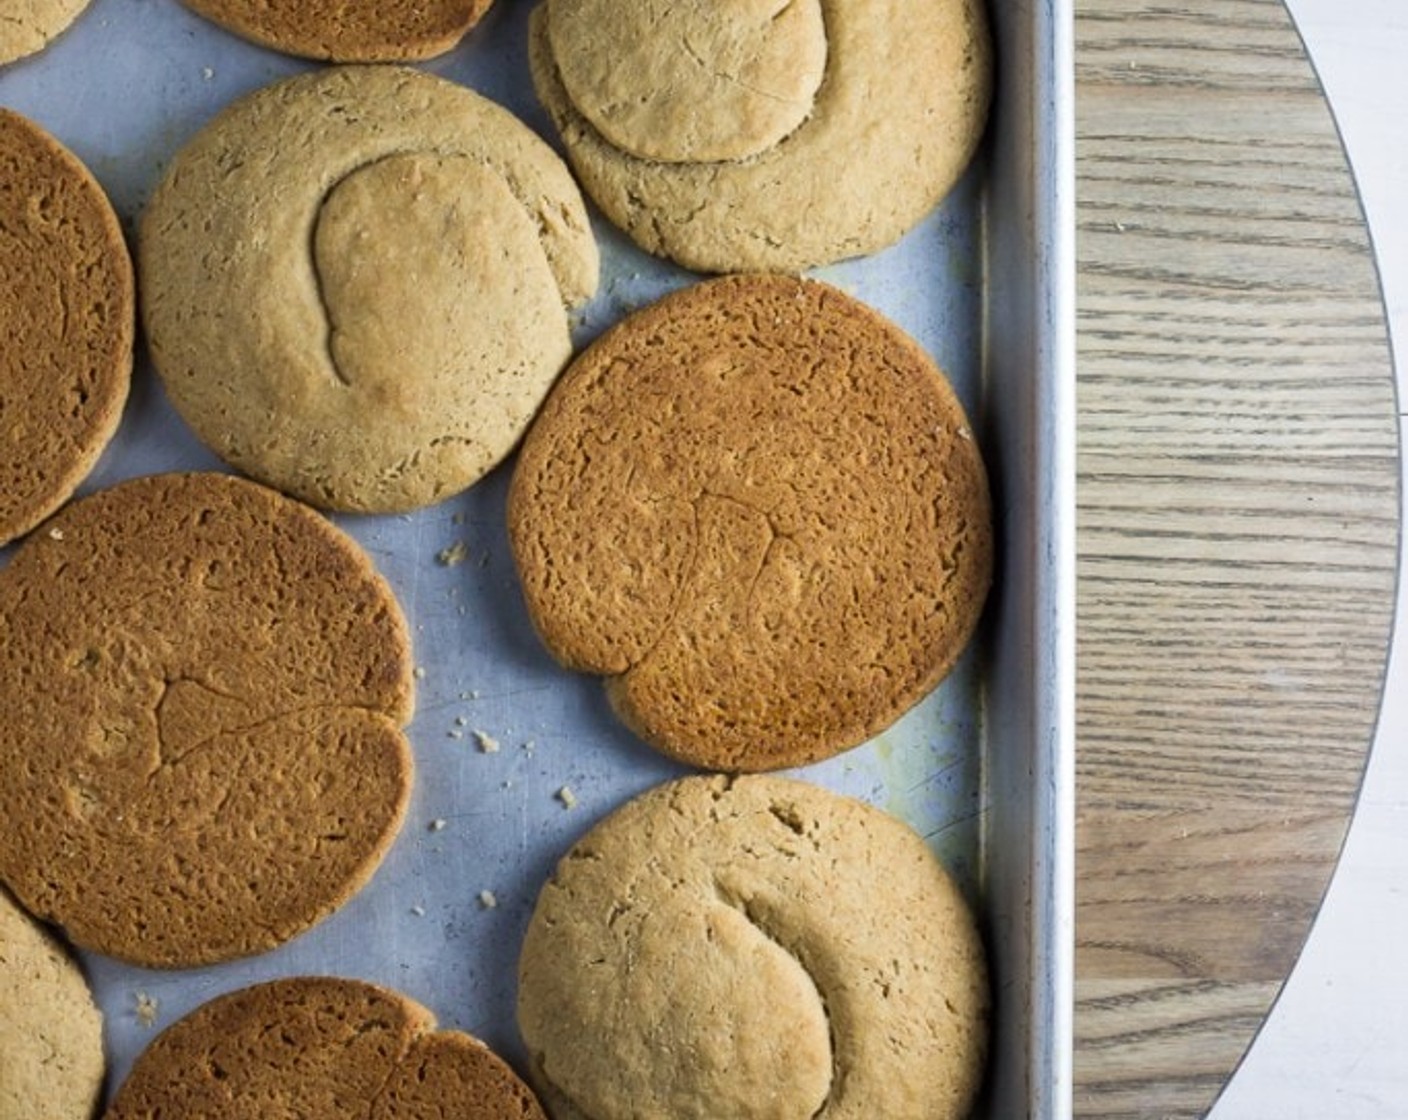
(983, 767)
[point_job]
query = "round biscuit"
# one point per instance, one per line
(205, 684)
(354, 284)
(319, 1048)
(705, 132)
(758, 509)
(343, 31)
(755, 948)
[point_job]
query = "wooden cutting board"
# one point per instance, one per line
(1237, 539)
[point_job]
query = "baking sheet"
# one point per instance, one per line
(981, 767)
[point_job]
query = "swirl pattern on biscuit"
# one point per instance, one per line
(355, 284)
(765, 134)
(756, 948)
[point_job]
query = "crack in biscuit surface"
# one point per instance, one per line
(319, 1048)
(208, 683)
(751, 508)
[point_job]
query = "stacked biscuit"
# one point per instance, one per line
(756, 508)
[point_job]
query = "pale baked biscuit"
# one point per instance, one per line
(28, 26)
(51, 1034)
(765, 134)
(343, 31)
(758, 509)
(353, 284)
(319, 1048)
(204, 684)
(753, 948)
(67, 319)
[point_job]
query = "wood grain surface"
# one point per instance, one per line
(1238, 530)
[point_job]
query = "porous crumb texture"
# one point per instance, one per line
(28, 26)
(765, 134)
(758, 509)
(51, 1034)
(755, 948)
(203, 685)
(348, 30)
(355, 284)
(319, 1048)
(67, 319)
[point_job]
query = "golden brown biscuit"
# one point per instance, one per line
(763, 134)
(29, 26)
(204, 684)
(342, 31)
(753, 948)
(353, 284)
(757, 508)
(67, 319)
(51, 1034)
(319, 1048)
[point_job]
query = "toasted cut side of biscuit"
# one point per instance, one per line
(759, 510)
(343, 31)
(205, 685)
(67, 320)
(320, 1048)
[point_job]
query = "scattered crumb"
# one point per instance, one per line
(56, 534)
(147, 1007)
(567, 797)
(452, 556)
(507, 783)
(419, 672)
(438, 824)
(418, 911)
(207, 72)
(487, 900)
(460, 721)
(529, 747)
(455, 734)
(487, 743)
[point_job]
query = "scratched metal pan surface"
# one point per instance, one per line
(982, 767)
